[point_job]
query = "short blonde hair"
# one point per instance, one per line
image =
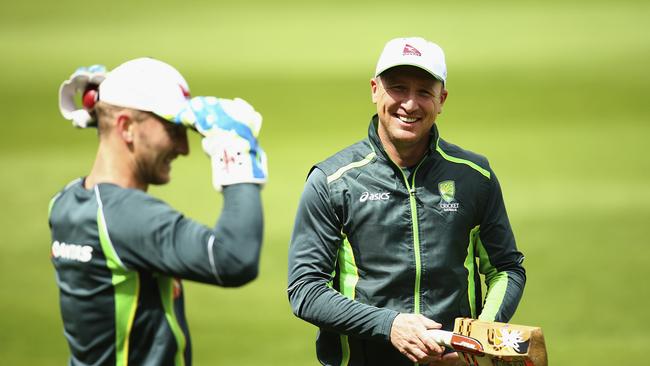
(105, 114)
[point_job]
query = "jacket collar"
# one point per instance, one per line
(373, 136)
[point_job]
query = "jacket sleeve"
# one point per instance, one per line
(315, 242)
(499, 259)
(147, 234)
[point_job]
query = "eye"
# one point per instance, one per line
(397, 88)
(426, 93)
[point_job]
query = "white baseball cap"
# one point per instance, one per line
(413, 51)
(147, 85)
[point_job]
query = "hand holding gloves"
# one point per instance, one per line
(230, 128)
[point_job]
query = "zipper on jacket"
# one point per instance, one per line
(416, 235)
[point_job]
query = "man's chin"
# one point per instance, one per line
(164, 175)
(160, 179)
(406, 136)
(164, 180)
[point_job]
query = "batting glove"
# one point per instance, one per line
(82, 80)
(230, 128)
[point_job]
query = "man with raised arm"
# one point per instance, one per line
(119, 253)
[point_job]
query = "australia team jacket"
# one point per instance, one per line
(120, 255)
(372, 240)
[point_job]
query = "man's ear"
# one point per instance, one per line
(124, 126)
(443, 98)
(374, 86)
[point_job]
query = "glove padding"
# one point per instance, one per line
(230, 128)
(77, 83)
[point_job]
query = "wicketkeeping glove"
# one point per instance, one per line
(230, 128)
(80, 81)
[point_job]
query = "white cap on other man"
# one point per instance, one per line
(413, 51)
(147, 85)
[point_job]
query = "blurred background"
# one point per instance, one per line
(553, 92)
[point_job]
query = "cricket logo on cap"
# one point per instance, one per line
(447, 191)
(410, 51)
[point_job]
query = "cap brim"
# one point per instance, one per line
(435, 76)
(175, 121)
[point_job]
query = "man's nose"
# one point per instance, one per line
(182, 144)
(409, 103)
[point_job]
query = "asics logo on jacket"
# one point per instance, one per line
(367, 196)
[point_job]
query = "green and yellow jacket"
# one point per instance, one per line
(120, 255)
(372, 240)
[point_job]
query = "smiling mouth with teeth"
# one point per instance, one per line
(407, 119)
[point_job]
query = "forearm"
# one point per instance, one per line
(315, 302)
(500, 260)
(238, 235)
(504, 293)
(315, 244)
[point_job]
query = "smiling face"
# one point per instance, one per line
(156, 144)
(408, 101)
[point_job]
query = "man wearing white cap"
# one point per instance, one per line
(393, 232)
(119, 253)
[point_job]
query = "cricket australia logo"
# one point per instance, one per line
(447, 191)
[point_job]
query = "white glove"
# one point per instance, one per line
(230, 128)
(82, 79)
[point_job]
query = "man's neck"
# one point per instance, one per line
(404, 155)
(109, 168)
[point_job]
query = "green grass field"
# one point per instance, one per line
(554, 93)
